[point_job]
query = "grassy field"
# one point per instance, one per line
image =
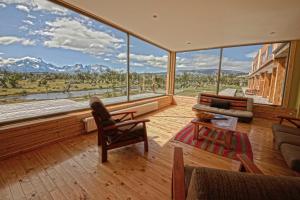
(28, 87)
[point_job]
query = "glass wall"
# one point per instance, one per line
(236, 65)
(148, 69)
(196, 72)
(48, 52)
(255, 71)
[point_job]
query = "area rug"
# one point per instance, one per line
(240, 142)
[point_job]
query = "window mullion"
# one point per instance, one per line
(219, 70)
(128, 66)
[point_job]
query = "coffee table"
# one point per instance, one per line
(228, 126)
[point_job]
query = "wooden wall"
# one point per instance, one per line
(28, 135)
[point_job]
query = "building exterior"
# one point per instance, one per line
(267, 76)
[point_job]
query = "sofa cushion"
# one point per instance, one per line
(217, 103)
(282, 138)
(286, 129)
(291, 155)
(188, 170)
(250, 104)
(230, 112)
(209, 183)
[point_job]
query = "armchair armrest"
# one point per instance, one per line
(247, 165)
(124, 113)
(126, 123)
(290, 119)
(121, 112)
(178, 185)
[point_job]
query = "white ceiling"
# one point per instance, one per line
(203, 23)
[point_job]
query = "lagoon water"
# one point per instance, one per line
(62, 95)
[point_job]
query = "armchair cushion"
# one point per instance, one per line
(135, 133)
(291, 155)
(285, 129)
(99, 108)
(207, 183)
(283, 138)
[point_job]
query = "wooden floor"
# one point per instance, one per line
(71, 169)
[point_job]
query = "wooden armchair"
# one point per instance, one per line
(114, 133)
(206, 183)
(293, 120)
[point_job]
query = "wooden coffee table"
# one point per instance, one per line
(228, 126)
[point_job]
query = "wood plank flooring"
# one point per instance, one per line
(72, 169)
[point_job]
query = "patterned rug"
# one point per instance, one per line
(240, 142)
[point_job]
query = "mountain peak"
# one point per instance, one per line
(37, 65)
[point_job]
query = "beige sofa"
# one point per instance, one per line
(239, 106)
(287, 141)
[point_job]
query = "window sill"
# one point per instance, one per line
(20, 112)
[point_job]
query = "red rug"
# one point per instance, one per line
(240, 142)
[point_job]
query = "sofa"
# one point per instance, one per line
(239, 107)
(190, 182)
(287, 140)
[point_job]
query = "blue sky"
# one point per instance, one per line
(234, 58)
(41, 29)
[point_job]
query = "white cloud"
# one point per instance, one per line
(1, 53)
(2, 5)
(70, 34)
(28, 22)
(41, 5)
(31, 16)
(137, 64)
(24, 28)
(7, 40)
(106, 59)
(144, 60)
(206, 61)
(252, 54)
(23, 8)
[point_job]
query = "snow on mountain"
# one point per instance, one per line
(37, 65)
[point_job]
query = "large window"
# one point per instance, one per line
(148, 69)
(196, 72)
(236, 65)
(52, 60)
(256, 71)
(48, 52)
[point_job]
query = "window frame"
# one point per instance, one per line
(220, 66)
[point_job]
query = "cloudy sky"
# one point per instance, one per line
(41, 29)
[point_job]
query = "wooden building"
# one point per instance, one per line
(268, 70)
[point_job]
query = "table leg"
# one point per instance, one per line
(196, 131)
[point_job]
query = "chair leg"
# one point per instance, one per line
(99, 139)
(145, 139)
(104, 154)
(146, 145)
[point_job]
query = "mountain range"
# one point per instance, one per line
(210, 71)
(37, 65)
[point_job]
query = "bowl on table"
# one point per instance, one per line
(204, 116)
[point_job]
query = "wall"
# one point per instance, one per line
(294, 97)
(28, 135)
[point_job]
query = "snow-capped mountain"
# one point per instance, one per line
(37, 65)
(97, 68)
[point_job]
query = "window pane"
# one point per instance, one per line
(148, 69)
(196, 72)
(256, 71)
(49, 52)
